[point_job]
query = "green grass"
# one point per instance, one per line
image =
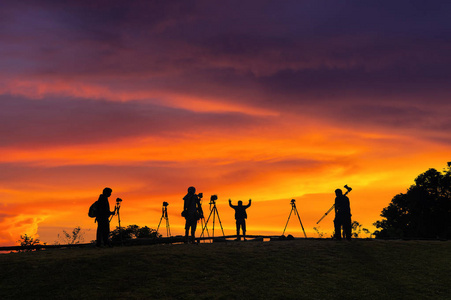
(300, 269)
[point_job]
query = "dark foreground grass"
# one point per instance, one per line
(300, 269)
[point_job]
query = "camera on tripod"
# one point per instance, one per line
(118, 203)
(213, 198)
(295, 211)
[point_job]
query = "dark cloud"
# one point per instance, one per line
(77, 121)
(287, 57)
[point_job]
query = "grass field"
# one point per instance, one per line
(299, 269)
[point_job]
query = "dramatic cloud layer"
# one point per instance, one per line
(266, 100)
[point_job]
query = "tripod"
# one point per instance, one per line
(214, 212)
(293, 208)
(117, 209)
(164, 215)
(202, 221)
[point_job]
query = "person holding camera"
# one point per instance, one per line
(192, 212)
(240, 217)
(103, 214)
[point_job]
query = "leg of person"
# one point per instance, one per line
(347, 228)
(337, 226)
(193, 231)
(99, 235)
(187, 226)
(106, 237)
(238, 230)
(243, 226)
(102, 232)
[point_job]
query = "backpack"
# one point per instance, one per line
(93, 210)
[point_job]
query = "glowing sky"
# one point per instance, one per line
(269, 100)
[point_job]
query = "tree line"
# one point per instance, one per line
(424, 211)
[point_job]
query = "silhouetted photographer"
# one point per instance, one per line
(240, 217)
(192, 212)
(103, 214)
(342, 215)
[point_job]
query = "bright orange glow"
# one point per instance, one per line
(291, 104)
(271, 166)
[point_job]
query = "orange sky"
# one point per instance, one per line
(271, 167)
(271, 102)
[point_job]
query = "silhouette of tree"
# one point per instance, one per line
(26, 240)
(424, 211)
(356, 229)
(75, 237)
(133, 231)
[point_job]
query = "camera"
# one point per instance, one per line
(118, 200)
(293, 201)
(200, 195)
(213, 198)
(165, 203)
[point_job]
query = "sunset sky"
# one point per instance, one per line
(268, 100)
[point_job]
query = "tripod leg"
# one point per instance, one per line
(202, 221)
(214, 219)
(327, 212)
(296, 212)
(287, 221)
(159, 223)
(220, 224)
(168, 229)
(205, 227)
(119, 221)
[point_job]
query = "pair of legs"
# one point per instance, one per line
(345, 223)
(240, 223)
(191, 223)
(103, 232)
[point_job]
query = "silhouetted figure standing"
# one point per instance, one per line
(240, 217)
(192, 211)
(342, 215)
(103, 214)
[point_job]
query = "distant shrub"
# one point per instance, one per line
(75, 237)
(27, 241)
(133, 232)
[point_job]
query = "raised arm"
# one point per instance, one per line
(230, 204)
(249, 204)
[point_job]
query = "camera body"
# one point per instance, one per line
(213, 198)
(165, 204)
(118, 200)
(293, 201)
(200, 195)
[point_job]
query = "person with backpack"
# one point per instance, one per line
(240, 217)
(192, 212)
(102, 214)
(342, 216)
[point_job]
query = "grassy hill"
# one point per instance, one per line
(299, 269)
